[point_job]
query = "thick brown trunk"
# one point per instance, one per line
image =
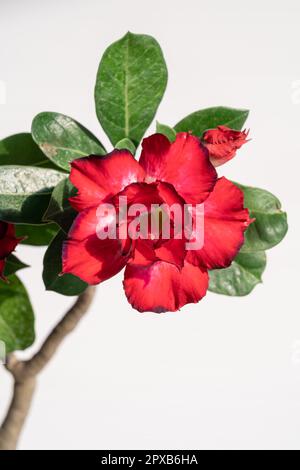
(17, 414)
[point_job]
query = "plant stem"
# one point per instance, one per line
(25, 373)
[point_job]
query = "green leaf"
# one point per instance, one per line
(20, 149)
(270, 225)
(209, 118)
(167, 131)
(12, 265)
(241, 277)
(25, 192)
(59, 209)
(36, 235)
(65, 284)
(16, 316)
(62, 139)
(131, 81)
(127, 145)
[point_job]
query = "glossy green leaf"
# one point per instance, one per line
(167, 131)
(127, 145)
(12, 265)
(25, 192)
(59, 209)
(16, 315)
(20, 149)
(36, 235)
(270, 225)
(208, 118)
(62, 139)
(65, 284)
(131, 81)
(241, 277)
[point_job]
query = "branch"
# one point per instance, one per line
(25, 372)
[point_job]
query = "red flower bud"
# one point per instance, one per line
(222, 143)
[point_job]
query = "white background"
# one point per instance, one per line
(224, 373)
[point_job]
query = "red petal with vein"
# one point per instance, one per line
(98, 178)
(89, 258)
(162, 287)
(183, 163)
(225, 222)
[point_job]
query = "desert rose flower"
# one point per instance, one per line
(222, 143)
(8, 242)
(160, 274)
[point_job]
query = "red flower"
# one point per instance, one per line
(222, 143)
(8, 243)
(161, 274)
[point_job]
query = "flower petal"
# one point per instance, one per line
(8, 239)
(143, 253)
(86, 256)
(183, 163)
(98, 178)
(225, 221)
(139, 193)
(172, 251)
(162, 287)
